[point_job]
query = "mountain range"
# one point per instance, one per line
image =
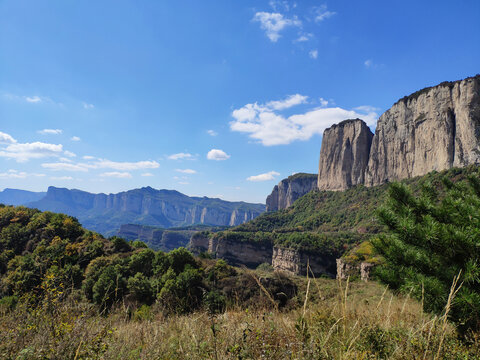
(105, 213)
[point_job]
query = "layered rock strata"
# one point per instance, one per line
(290, 189)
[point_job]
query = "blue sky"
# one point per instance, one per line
(212, 98)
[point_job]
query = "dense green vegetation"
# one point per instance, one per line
(336, 221)
(433, 239)
(44, 250)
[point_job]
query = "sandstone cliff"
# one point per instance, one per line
(435, 128)
(290, 189)
(344, 155)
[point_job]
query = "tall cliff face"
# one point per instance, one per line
(434, 129)
(146, 206)
(344, 155)
(290, 189)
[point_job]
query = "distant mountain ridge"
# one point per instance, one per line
(19, 197)
(105, 213)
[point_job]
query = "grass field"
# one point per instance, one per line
(327, 320)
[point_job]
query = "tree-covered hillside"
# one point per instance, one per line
(341, 217)
(44, 254)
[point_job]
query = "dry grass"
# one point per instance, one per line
(365, 321)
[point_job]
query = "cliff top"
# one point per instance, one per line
(302, 176)
(345, 122)
(449, 84)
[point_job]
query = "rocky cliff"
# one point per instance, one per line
(105, 213)
(344, 155)
(435, 128)
(290, 189)
(252, 254)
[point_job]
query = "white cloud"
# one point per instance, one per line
(212, 132)
(186, 171)
(116, 174)
(65, 166)
(218, 155)
(87, 106)
(321, 13)
(50, 131)
(304, 37)
(274, 23)
(368, 63)
(279, 5)
(61, 178)
(69, 153)
(291, 100)
(147, 174)
(75, 138)
(33, 99)
(102, 164)
(15, 174)
(269, 127)
(6, 138)
(323, 102)
(264, 177)
(24, 152)
(88, 157)
(125, 166)
(181, 156)
(184, 182)
(313, 54)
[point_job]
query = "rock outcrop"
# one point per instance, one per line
(433, 129)
(297, 262)
(105, 213)
(344, 155)
(290, 189)
(248, 253)
(252, 254)
(346, 269)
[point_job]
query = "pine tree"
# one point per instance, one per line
(432, 237)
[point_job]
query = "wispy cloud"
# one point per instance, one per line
(15, 174)
(186, 171)
(267, 125)
(33, 99)
(88, 106)
(147, 174)
(263, 177)
(75, 138)
(313, 54)
(102, 164)
(125, 166)
(65, 166)
(116, 174)
(24, 152)
(212, 132)
(321, 13)
(217, 154)
(50, 131)
(61, 178)
(69, 153)
(274, 23)
(6, 138)
(181, 156)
